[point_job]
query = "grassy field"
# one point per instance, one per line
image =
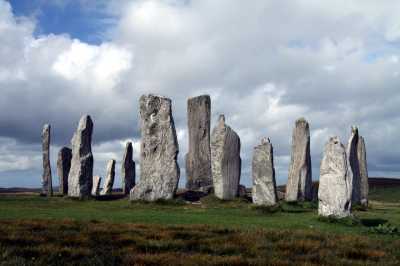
(41, 231)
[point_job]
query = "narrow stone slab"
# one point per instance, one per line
(110, 176)
(335, 187)
(159, 170)
(47, 184)
(80, 178)
(96, 186)
(352, 150)
(225, 160)
(198, 159)
(63, 167)
(299, 185)
(128, 170)
(362, 163)
(263, 172)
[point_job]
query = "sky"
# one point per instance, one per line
(264, 63)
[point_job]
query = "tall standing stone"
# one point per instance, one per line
(47, 184)
(159, 170)
(110, 176)
(128, 170)
(198, 159)
(335, 187)
(299, 185)
(80, 178)
(362, 163)
(96, 186)
(263, 171)
(352, 150)
(63, 167)
(225, 160)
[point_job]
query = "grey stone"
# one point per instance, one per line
(198, 159)
(362, 163)
(63, 167)
(225, 160)
(263, 172)
(352, 151)
(335, 187)
(47, 184)
(96, 186)
(159, 170)
(80, 178)
(110, 176)
(128, 170)
(299, 185)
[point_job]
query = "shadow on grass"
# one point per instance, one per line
(372, 222)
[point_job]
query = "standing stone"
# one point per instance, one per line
(128, 170)
(63, 167)
(225, 160)
(198, 159)
(352, 151)
(159, 170)
(96, 186)
(263, 171)
(109, 182)
(80, 178)
(299, 185)
(335, 187)
(362, 163)
(47, 185)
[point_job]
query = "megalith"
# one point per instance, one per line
(159, 170)
(47, 184)
(263, 173)
(198, 159)
(335, 183)
(299, 184)
(96, 186)
(362, 163)
(225, 160)
(80, 178)
(63, 167)
(128, 169)
(352, 154)
(110, 176)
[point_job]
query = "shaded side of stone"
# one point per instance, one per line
(225, 160)
(159, 170)
(110, 176)
(299, 185)
(47, 184)
(198, 159)
(263, 173)
(128, 170)
(335, 185)
(352, 150)
(63, 168)
(80, 178)
(362, 163)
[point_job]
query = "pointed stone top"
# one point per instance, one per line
(46, 126)
(301, 120)
(354, 129)
(85, 121)
(128, 143)
(221, 119)
(265, 140)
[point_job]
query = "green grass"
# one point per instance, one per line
(214, 232)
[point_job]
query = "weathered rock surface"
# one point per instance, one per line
(47, 184)
(225, 160)
(299, 185)
(63, 167)
(335, 187)
(128, 170)
(362, 163)
(96, 186)
(80, 178)
(110, 176)
(263, 172)
(352, 151)
(159, 170)
(198, 159)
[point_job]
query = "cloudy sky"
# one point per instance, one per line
(264, 63)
